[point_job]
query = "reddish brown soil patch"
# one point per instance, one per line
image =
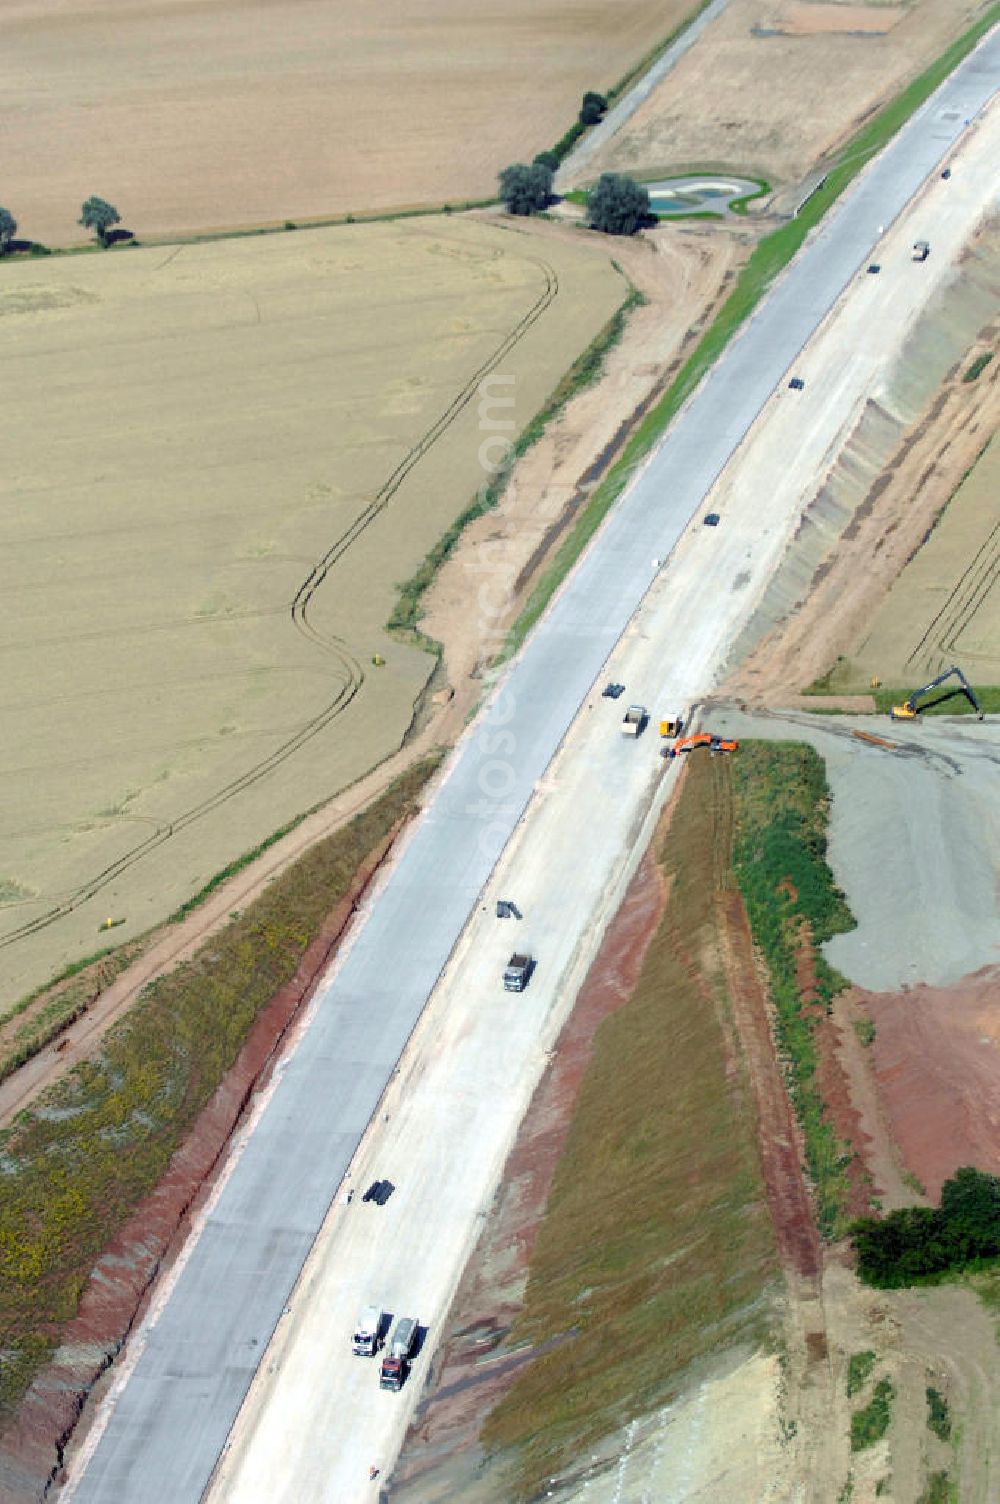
(788, 1199)
(116, 1292)
(936, 1058)
(466, 1381)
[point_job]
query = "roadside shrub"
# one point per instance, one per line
(920, 1242)
(618, 205)
(549, 159)
(525, 190)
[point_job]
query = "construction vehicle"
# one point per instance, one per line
(635, 720)
(367, 1331)
(612, 691)
(672, 725)
(702, 739)
(921, 250)
(518, 971)
(909, 710)
(396, 1363)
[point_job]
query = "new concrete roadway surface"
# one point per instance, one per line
(317, 1418)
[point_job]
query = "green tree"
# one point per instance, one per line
(917, 1241)
(525, 190)
(617, 205)
(549, 159)
(592, 108)
(100, 216)
(8, 229)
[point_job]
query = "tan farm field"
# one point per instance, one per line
(773, 88)
(196, 114)
(945, 606)
(189, 433)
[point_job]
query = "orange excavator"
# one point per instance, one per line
(702, 739)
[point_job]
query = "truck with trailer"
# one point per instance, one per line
(367, 1332)
(396, 1363)
(518, 971)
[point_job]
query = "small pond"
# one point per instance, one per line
(703, 194)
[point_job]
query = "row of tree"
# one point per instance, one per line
(96, 214)
(918, 1242)
(617, 205)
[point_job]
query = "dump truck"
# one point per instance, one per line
(635, 720)
(921, 250)
(671, 725)
(396, 1363)
(367, 1330)
(518, 972)
(910, 709)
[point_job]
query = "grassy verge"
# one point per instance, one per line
(656, 1245)
(769, 258)
(76, 1166)
(791, 900)
(71, 995)
(585, 369)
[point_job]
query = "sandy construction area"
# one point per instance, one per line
(195, 114)
(219, 421)
(771, 90)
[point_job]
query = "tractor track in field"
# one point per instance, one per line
(353, 675)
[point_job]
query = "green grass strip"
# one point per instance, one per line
(779, 858)
(769, 258)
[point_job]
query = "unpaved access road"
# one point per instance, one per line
(312, 1426)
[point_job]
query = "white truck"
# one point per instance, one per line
(367, 1331)
(635, 720)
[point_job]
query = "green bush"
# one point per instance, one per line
(938, 1416)
(618, 205)
(592, 108)
(918, 1243)
(524, 189)
(978, 366)
(859, 1367)
(870, 1424)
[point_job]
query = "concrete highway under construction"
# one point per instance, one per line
(193, 1408)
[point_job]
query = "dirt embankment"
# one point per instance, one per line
(891, 519)
(119, 1286)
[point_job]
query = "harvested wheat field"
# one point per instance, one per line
(247, 446)
(194, 114)
(770, 89)
(945, 606)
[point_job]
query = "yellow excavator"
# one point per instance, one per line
(909, 710)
